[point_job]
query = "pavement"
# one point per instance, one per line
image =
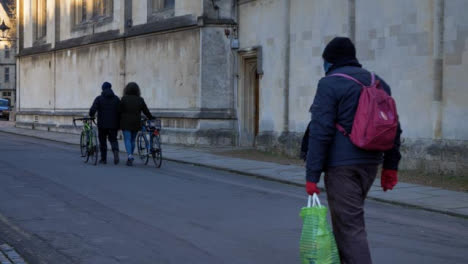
(412, 195)
(56, 209)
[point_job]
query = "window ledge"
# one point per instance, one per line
(97, 21)
(40, 41)
(161, 15)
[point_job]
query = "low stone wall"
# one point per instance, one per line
(175, 130)
(441, 157)
(436, 157)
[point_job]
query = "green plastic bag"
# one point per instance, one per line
(317, 245)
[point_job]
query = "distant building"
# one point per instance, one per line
(7, 54)
(226, 72)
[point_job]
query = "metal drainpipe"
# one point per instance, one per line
(287, 66)
(438, 57)
(352, 20)
(235, 76)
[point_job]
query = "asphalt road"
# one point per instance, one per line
(56, 209)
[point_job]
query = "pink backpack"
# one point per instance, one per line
(376, 121)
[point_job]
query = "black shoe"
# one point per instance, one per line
(129, 162)
(116, 157)
(103, 161)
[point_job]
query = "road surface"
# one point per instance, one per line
(56, 209)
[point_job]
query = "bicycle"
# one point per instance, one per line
(89, 145)
(149, 141)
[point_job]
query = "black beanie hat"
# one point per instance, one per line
(106, 86)
(338, 49)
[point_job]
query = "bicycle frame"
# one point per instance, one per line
(87, 129)
(152, 133)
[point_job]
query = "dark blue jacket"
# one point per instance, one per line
(107, 107)
(336, 101)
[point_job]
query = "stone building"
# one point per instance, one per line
(244, 72)
(7, 53)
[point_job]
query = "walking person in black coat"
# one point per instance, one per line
(107, 107)
(131, 107)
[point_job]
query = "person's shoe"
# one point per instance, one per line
(129, 162)
(116, 157)
(103, 161)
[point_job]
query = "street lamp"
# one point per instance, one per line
(4, 28)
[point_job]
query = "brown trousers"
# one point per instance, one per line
(347, 188)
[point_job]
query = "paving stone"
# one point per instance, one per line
(3, 259)
(8, 255)
(5, 247)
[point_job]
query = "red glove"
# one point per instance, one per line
(388, 179)
(311, 188)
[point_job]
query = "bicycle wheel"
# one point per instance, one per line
(142, 147)
(156, 151)
(84, 146)
(93, 147)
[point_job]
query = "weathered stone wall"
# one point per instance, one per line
(310, 32)
(59, 80)
(36, 82)
(166, 66)
(455, 78)
(262, 23)
(419, 47)
(58, 85)
(399, 48)
(190, 76)
(79, 73)
(216, 78)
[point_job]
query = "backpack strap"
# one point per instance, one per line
(341, 129)
(346, 76)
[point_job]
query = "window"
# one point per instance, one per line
(41, 19)
(160, 9)
(102, 8)
(162, 4)
(7, 52)
(91, 10)
(80, 11)
(7, 74)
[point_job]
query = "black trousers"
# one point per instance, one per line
(104, 134)
(347, 188)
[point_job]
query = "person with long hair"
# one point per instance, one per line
(131, 107)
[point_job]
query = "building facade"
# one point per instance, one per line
(8, 53)
(226, 72)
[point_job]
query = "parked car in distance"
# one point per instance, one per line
(5, 108)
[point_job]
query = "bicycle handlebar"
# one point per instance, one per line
(84, 119)
(144, 118)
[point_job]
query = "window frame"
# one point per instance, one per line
(40, 21)
(92, 18)
(107, 7)
(159, 14)
(7, 52)
(6, 74)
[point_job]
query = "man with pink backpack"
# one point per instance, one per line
(354, 128)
